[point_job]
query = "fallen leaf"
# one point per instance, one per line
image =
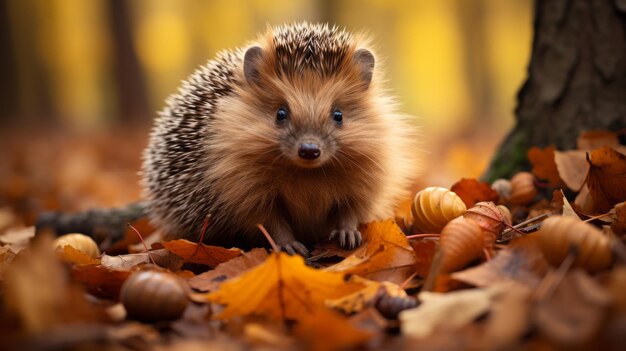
(584, 202)
(71, 255)
(6, 257)
(37, 293)
(607, 178)
(385, 255)
(327, 249)
(567, 210)
(471, 191)
(424, 254)
(366, 297)
(18, 237)
(521, 261)
(452, 310)
(572, 167)
(161, 257)
(573, 314)
(281, 288)
(509, 317)
(200, 253)
(595, 139)
(327, 330)
(100, 281)
(211, 280)
(618, 216)
(544, 166)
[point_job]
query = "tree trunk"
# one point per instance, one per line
(576, 79)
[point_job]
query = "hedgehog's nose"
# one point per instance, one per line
(309, 151)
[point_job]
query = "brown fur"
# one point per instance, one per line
(247, 170)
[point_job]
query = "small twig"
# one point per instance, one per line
(487, 254)
(205, 226)
(431, 279)
(145, 246)
(517, 228)
(597, 217)
(422, 236)
(268, 237)
(408, 280)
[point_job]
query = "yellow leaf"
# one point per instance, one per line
(282, 287)
(327, 330)
(385, 255)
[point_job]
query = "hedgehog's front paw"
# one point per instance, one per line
(349, 238)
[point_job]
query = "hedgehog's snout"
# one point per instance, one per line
(309, 150)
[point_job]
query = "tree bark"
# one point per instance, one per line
(576, 79)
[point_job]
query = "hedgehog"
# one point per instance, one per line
(293, 131)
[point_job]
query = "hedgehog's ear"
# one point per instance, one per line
(251, 62)
(364, 60)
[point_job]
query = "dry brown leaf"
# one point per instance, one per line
(452, 310)
(282, 287)
(211, 280)
(509, 317)
(71, 255)
(572, 167)
(161, 257)
(606, 178)
(618, 217)
(100, 281)
(424, 254)
(521, 261)
(130, 238)
(17, 238)
(366, 297)
(595, 139)
(200, 253)
(573, 314)
(471, 191)
(544, 166)
(385, 255)
(327, 330)
(38, 294)
(584, 202)
(6, 257)
(559, 199)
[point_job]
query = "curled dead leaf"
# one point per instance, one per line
(544, 166)
(523, 189)
(491, 219)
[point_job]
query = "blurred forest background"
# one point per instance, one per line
(81, 81)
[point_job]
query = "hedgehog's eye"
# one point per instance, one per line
(338, 117)
(281, 114)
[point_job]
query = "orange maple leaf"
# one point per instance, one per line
(282, 287)
(200, 253)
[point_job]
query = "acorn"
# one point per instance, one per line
(434, 207)
(153, 296)
(80, 242)
(503, 188)
(523, 189)
(558, 234)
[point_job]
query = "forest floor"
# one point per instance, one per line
(531, 262)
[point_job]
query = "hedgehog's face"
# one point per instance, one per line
(314, 116)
